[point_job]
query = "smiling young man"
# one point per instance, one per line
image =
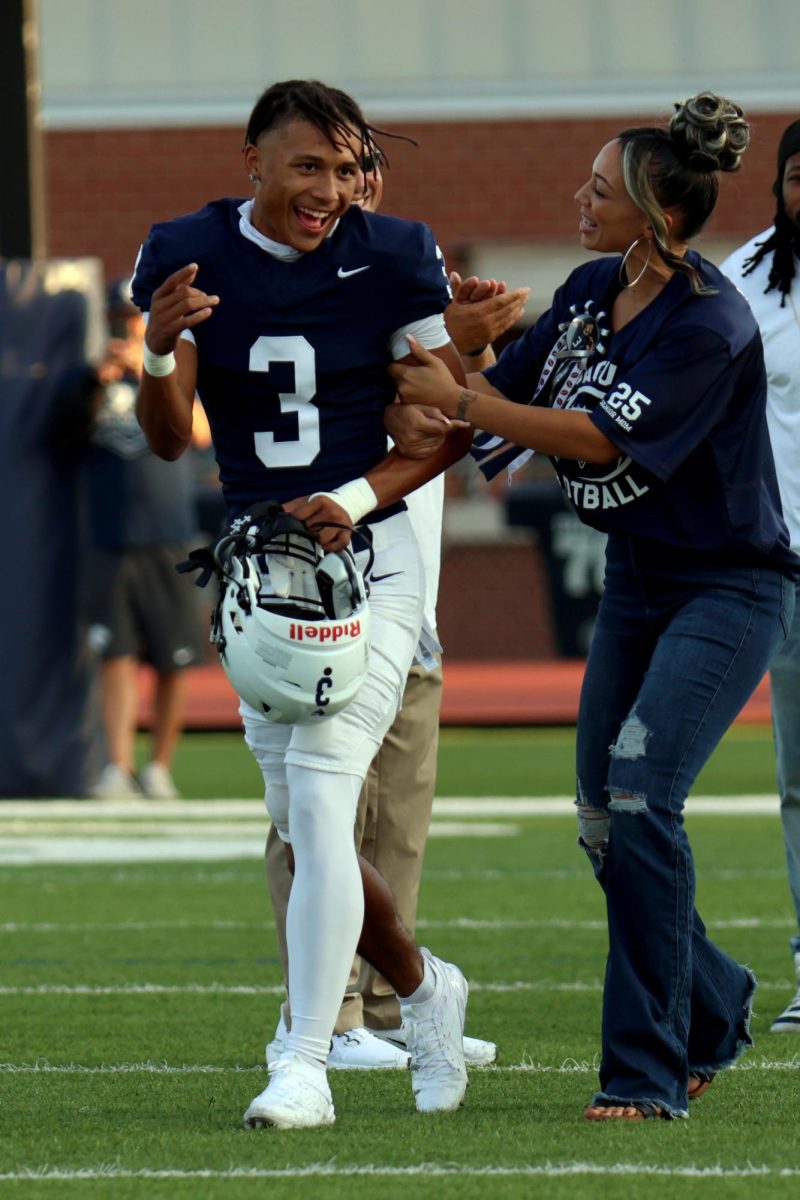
(284, 312)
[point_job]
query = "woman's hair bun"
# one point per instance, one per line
(709, 132)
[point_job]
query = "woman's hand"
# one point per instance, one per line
(418, 431)
(426, 381)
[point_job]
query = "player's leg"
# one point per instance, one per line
(325, 913)
(785, 692)
(345, 745)
(353, 737)
(353, 1047)
(400, 787)
(323, 920)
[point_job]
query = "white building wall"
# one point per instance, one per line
(108, 63)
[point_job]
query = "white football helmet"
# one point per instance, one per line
(292, 622)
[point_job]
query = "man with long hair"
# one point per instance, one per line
(765, 269)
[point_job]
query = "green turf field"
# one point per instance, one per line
(137, 998)
(480, 762)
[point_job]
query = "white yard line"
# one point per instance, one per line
(180, 843)
(41, 832)
(459, 806)
(197, 829)
(568, 1067)
(332, 1170)
(26, 927)
(258, 989)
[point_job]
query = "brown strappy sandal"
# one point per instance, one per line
(634, 1110)
(700, 1082)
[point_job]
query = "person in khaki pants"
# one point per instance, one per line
(395, 805)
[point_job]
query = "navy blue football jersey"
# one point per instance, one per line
(681, 392)
(291, 366)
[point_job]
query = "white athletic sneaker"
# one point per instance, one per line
(477, 1052)
(296, 1097)
(157, 783)
(789, 1020)
(114, 783)
(355, 1050)
(360, 1050)
(434, 1034)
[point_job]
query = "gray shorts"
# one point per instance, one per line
(139, 605)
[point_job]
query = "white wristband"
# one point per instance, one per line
(157, 364)
(356, 498)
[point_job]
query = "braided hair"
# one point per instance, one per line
(335, 114)
(784, 241)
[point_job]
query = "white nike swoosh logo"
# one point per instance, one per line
(356, 271)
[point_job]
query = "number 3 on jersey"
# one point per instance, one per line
(305, 447)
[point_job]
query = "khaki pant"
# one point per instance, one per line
(394, 813)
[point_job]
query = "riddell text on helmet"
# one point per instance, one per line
(325, 633)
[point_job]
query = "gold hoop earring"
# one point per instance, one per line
(627, 255)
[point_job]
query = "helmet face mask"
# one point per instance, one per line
(292, 623)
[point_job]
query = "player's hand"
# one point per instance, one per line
(325, 512)
(418, 431)
(426, 381)
(175, 306)
(481, 310)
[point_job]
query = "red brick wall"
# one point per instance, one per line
(494, 603)
(469, 181)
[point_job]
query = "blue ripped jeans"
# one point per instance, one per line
(678, 649)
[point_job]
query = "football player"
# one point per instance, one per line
(394, 811)
(283, 312)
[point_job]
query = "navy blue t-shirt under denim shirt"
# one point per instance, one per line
(681, 391)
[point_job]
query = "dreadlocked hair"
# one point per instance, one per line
(677, 167)
(782, 244)
(335, 114)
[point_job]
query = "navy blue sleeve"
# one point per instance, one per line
(153, 266)
(425, 288)
(663, 406)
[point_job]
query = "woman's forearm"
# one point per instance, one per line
(566, 433)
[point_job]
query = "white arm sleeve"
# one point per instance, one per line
(430, 332)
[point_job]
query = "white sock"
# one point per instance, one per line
(326, 904)
(426, 989)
